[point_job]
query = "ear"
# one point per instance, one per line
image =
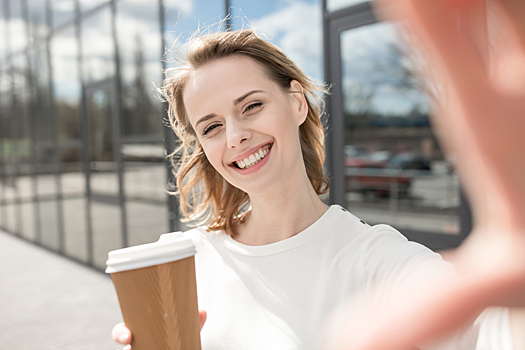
(300, 106)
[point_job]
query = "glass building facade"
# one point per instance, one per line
(83, 138)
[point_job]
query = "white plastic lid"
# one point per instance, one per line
(170, 247)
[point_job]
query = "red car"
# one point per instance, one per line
(368, 176)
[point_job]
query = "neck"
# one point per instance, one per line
(280, 215)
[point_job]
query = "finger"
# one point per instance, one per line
(203, 315)
(121, 334)
(515, 11)
(473, 21)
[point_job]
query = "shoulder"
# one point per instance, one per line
(344, 222)
(374, 239)
(354, 242)
(355, 230)
(203, 238)
(389, 257)
(381, 250)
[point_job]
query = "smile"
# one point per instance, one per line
(253, 158)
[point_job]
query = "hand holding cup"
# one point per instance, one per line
(122, 335)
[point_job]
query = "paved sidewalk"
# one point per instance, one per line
(48, 302)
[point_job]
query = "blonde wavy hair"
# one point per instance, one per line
(205, 197)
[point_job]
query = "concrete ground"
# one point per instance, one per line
(49, 302)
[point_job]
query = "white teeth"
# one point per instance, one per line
(252, 159)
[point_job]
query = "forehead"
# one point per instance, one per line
(221, 82)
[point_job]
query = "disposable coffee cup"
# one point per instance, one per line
(157, 292)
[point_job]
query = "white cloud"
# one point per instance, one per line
(297, 30)
(366, 41)
(185, 7)
(370, 64)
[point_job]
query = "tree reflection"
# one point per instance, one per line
(139, 115)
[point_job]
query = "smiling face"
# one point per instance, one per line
(247, 125)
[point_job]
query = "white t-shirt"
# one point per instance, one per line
(280, 295)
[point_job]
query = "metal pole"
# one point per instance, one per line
(228, 19)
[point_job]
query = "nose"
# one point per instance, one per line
(236, 134)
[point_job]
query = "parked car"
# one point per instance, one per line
(372, 174)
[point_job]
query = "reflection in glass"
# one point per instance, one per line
(334, 5)
(294, 26)
(66, 83)
(72, 177)
(75, 227)
(101, 144)
(48, 219)
(7, 170)
(12, 222)
(106, 219)
(3, 180)
(394, 170)
(62, 11)
(145, 180)
(21, 142)
(86, 5)
(140, 52)
(145, 172)
(3, 35)
(146, 221)
(17, 27)
(38, 28)
(40, 117)
(106, 228)
(46, 180)
(97, 46)
(74, 202)
(25, 187)
(29, 229)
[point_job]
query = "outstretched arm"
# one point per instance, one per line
(480, 118)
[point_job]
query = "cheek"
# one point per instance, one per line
(214, 154)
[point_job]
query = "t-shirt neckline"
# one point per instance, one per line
(297, 240)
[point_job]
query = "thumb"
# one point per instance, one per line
(203, 315)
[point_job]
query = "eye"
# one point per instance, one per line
(252, 106)
(209, 128)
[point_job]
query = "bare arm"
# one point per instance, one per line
(480, 118)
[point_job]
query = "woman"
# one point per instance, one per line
(273, 261)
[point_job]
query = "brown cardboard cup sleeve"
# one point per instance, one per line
(157, 292)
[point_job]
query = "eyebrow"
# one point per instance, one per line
(203, 119)
(240, 99)
(236, 102)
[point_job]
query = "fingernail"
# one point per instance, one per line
(123, 337)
